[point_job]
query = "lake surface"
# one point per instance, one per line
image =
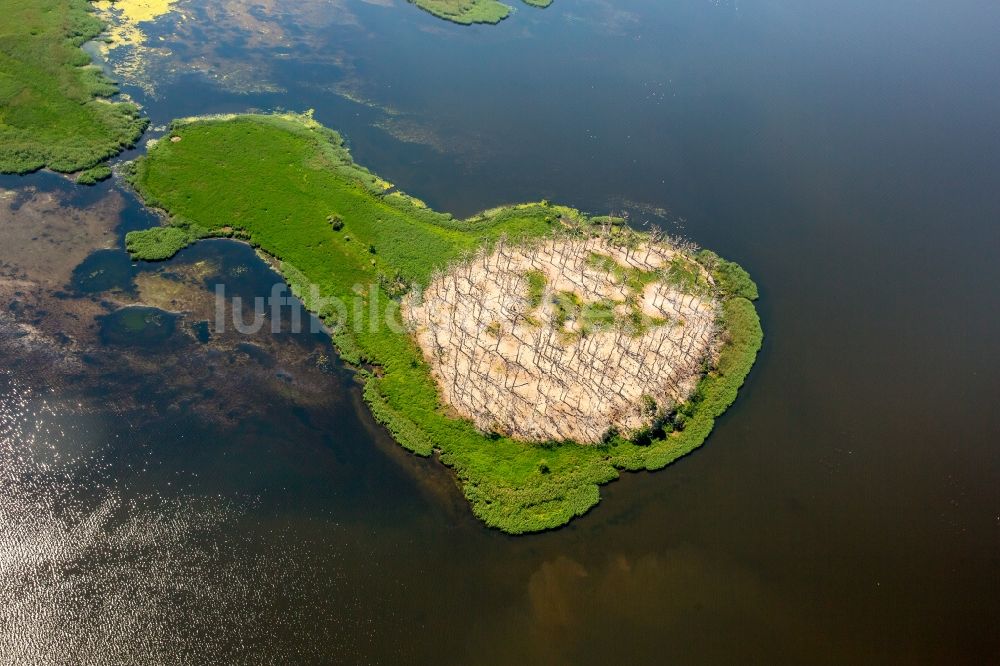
(213, 499)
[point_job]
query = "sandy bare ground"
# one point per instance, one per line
(528, 367)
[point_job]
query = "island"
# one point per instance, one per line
(468, 12)
(55, 110)
(538, 351)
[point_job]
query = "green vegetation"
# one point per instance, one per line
(588, 316)
(158, 244)
(728, 275)
(597, 315)
(567, 307)
(467, 12)
(536, 288)
(52, 108)
(635, 278)
(687, 276)
(275, 179)
(94, 175)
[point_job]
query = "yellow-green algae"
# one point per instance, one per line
(127, 16)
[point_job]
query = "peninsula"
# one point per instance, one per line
(541, 350)
(54, 106)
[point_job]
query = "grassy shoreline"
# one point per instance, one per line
(54, 106)
(277, 181)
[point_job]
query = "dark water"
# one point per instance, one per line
(845, 510)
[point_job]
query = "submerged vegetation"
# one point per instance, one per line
(274, 180)
(138, 326)
(467, 12)
(53, 107)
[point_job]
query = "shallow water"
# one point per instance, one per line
(216, 504)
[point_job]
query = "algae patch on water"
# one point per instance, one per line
(125, 18)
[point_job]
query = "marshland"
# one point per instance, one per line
(173, 493)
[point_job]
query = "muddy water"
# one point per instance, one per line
(214, 498)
